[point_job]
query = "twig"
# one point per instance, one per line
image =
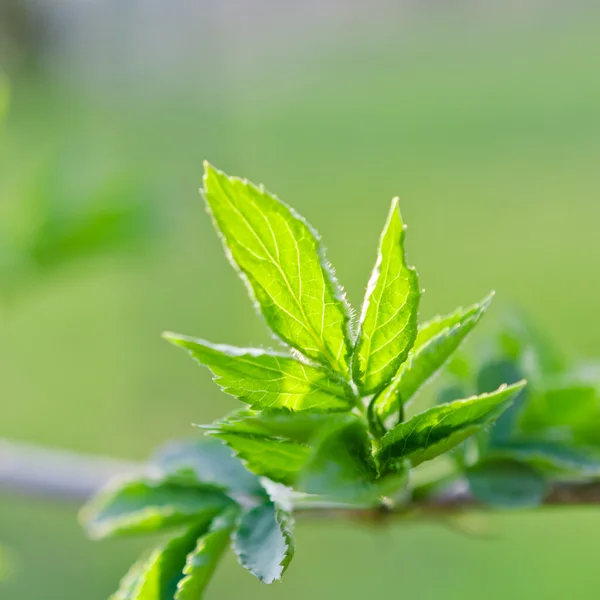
(56, 474)
(45, 473)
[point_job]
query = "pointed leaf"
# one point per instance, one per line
(263, 542)
(298, 427)
(267, 379)
(275, 458)
(388, 324)
(142, 506)
(161, 573)
(436, 342)
(201, 563)
(280, 257)
(207, 460)
(443, 427)
(506, 484)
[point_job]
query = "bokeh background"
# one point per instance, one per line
(484, 117)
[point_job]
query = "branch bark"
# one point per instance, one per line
(36, 471)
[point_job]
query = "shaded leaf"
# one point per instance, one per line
(491, 376)
(267, 379)
(263, 541)
(342, 466)
(436, 341)
(553, 457)
(443, 427)
(201, 562)
(565, 407)
(388, 324)
(506, 484)
(141, 506)
(281, 259)
(207, 460)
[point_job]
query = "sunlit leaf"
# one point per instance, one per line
(263, 542)
(275, 458)
(436, 341)
(388, 324)
(267, 379)
(442, 427)
(142, 506)
(300, 427)
(281, 259)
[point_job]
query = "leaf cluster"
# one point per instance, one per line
(325, 419)
(551, 431)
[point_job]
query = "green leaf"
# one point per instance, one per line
(141, 506)
(298, 427)
(436, 341)
(552, 457)
(160, 575)
(506, 484)
(441, 428)
(267, 379)
(275, 458)
(280, 258)
(343, 469)
(203, 560)
(388, 324)
(263, 541)
(207, 460)
(563, 407)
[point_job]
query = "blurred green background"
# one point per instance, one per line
(484, 120)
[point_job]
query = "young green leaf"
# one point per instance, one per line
(506, 484)
(300, 427)
(201, 562)
(442, 427)
(159, 577)
(142, 506)
(207, 460)
(275, 458)
(436, 341)
(280, 257)
(263, 541)
(267, 379)
(342, 466)
(388, 324)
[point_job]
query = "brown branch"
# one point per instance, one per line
(36, 471)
